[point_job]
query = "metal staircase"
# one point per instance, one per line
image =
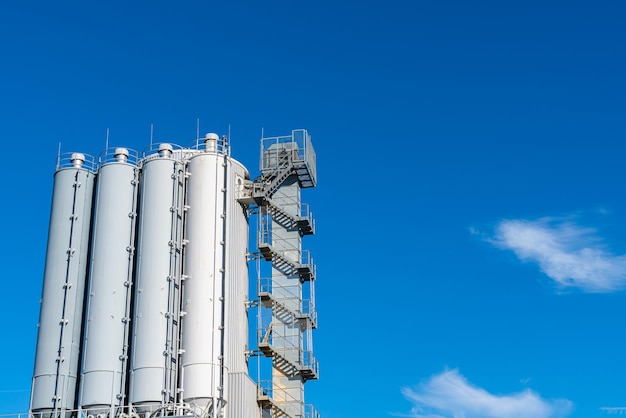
(284, 332)
(290, 360)
(303, 221)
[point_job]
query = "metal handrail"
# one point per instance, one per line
(279, 395)
(77, 160)
(305, 212)
(152, 150)
(307, 260)
(310, 411)
(120, 411)
(281, 294)
(297, 146)
(309, 361)
(308, 308)
(118, 155)
(222, 146)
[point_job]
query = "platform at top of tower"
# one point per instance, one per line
(293, 152)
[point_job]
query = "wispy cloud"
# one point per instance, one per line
(571, 255)
(450, 395)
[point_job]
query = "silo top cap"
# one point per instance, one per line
(77, 156)
(211, 136)
(165, 147)
(120, 152)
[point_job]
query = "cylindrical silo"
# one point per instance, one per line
(105, 345)
(203, 374)
(58, 341)
(153, 370)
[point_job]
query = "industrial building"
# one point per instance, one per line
(147, 293)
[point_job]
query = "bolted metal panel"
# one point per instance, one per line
(58, 341)
(155, 314)
(105, 342)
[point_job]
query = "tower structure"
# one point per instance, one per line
(287, 310)
(145, 299)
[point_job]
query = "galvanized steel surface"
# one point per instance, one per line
(196, 278)
(202, 326)
(110, 275)
(58, 341)
(156, 279)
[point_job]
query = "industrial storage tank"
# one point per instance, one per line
(58, 341)
(153, 364)
(211, 201)
(162, 298)
(105, 344)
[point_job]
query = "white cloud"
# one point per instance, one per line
(569, 254)
(450, 395)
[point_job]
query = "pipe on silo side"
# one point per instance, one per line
(105, 344)
(58, 341)
(153, 371)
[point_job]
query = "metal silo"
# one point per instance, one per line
(58, 341)
(153, 364)
(165, 285)
(205, 268)
(105, 344)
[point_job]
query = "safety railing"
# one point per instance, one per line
(285, 296)
(210, 143)
(266, 285)
(310, 411)
(309, 362)
(77, 160)
(306, 214)
(307, 265)
(264, 233)
(265, 389)
(125, 411)
(162, 150)
(308, 310)
(280, 343)
(295, 148)
(17, 415)
(118, 155)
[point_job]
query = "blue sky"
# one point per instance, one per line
(471, 217)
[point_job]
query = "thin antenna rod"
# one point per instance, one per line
(106, 143)
(198, 128)
(59, 156)
(151, 135)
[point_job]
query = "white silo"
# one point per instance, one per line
(153, 364)
(215, 269)
(105, 345)
(166, 306)
(58, 341)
